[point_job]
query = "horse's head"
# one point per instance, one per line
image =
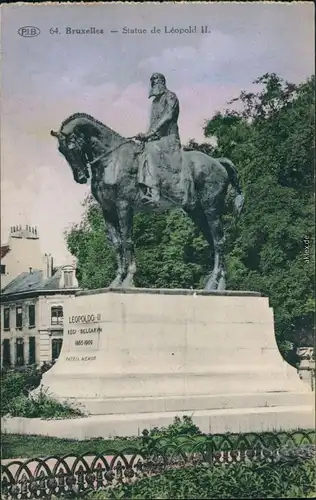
(71, 146)
(79, 140)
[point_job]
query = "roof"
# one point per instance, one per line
(34, 281)
(4, 250)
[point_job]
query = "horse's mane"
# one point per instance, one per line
(89, 117)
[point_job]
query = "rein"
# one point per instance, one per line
(107, 153)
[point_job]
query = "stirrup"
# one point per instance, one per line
(148, 200)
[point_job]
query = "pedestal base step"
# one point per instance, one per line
(193, 403)
(209, 421)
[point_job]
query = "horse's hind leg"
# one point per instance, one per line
(216, 279)
(208, 220)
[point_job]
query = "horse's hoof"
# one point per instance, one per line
(221, 284)
(116, 283)
(128, 283)
(211, 286)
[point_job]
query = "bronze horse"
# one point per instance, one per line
(92, 148)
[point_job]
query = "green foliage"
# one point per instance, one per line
(270, 138)
(170, 251)
(270, 248)
(42, 405)
(184, 427)
(235, 481)
(15, 384)
(11, 387)
(87, 241)
(17, 401)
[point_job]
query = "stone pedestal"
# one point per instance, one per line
(144, 355)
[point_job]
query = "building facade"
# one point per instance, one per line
(21, 253)
(32, 314)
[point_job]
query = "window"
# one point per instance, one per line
(31, 315)
(6, 352)
(2, 269)
(6, 318)
(68, 282)
(19, 352)
(32, 351)
(57, 315)
(56, 348)
(18, 317)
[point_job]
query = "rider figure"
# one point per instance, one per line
(162, 141)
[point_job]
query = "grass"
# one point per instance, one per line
(23, 446)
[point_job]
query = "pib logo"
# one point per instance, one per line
(29, 31)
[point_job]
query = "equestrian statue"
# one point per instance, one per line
(147, 172)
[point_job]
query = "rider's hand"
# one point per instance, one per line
(141, 137)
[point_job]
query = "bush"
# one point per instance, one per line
(17, 402)
(42, 406)
(236, 481)
(17, 383)
(184, 427)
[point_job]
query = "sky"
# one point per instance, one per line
(48, 77)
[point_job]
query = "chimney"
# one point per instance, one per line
(48, 266)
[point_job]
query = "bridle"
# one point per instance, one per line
(107, 153)
(78, 147)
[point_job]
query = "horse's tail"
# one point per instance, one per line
(234, 180)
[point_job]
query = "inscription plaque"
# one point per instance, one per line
(83, 335)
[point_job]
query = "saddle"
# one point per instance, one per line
(172, 186)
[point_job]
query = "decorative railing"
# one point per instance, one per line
(58, 476)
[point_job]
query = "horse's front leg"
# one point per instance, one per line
(125, 215)
(115, 241)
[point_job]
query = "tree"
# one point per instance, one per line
(87, 241)
(271, 141)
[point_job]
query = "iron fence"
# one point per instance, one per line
(60, 476)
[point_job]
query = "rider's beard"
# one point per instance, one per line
(157, 90)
